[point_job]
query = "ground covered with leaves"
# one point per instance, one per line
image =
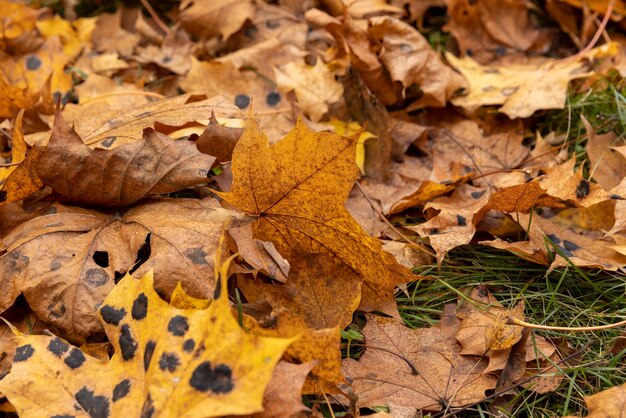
(323, 208)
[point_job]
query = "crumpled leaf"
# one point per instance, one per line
(66, 261)
(297, 188)
(408, 57)
(153, 165)
(444, 378)
(167, 362)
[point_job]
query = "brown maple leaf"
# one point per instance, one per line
(297, 189)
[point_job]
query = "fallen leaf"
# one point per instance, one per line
(187, 363)
(297, 188)
(442, 377)
(209, 18)
(408, 57)
(282, 398)
(315, 86)
(153, 165)
(321, 345)
(67, 261)
(324, 292)
(521, 89)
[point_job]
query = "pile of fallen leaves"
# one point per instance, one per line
(180, 229)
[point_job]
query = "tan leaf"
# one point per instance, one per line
(442, 377)
(408, 57)
(153, 165)
(209, 18)
(520, 89)
(67, 261)
(315, 86)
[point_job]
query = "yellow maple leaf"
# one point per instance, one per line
(168, 362)
(297, 188)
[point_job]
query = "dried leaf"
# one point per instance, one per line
(297, 188)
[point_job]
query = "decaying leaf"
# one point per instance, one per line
(297, 188)
(608, 403)
(167, 362)
(66, 261)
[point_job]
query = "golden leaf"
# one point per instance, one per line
(167, 362)
(297, 188)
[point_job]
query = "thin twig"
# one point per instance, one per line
(396, 230)
(11, 164)
(595, 38)
(515, 321)
(155, 17)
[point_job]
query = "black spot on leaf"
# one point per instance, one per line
(433, 231)
(147, 354)
(461, 220)
(217, 380)
(112, 316)
(33, 62)
(121, 389)
(96, 406)
(75, 359)
(108, 141)
(62, 416)
(582, 190)
(189, 345)
(23, 352)
(55, 265)
(197, 255)
(140, 307)
(178, 326)
(242, 101)
(96, 277)
(3, 195)
(101, 258)
(616, 197)
(169, 361)
(58, 347)
(127, 343)
(478, 194)
(554, 238)
(570, 246)
(166, 59)
(272, 98)
(250, 31)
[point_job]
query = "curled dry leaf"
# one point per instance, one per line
(297, 188)
(408, 57)
(167, 362)
(66, 261)
(608, 403)
(154, 165)
(218, 140)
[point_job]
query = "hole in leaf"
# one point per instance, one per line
(101, 258)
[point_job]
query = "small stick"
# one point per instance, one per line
(155, 17)
(519, 322)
